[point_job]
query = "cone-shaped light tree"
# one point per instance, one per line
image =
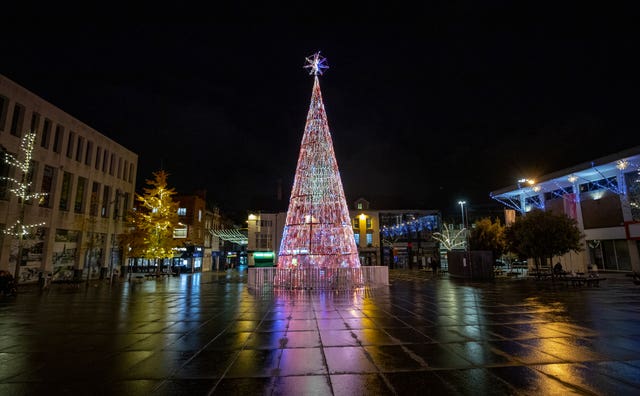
(317, 232)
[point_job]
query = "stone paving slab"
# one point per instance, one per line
(206, 334)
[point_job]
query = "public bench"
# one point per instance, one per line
(571, 280)
(154, 275)
(72, 283)
(583, 280)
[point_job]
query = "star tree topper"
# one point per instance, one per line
(316, 64)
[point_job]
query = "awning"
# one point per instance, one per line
(232, 235)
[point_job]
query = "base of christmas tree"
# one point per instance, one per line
(318, 278)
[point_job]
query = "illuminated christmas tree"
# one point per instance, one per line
(317, 232)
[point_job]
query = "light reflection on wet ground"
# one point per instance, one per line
(207, 334)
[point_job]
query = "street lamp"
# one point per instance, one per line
(522, 189)
(462, 203)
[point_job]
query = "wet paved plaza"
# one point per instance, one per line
(208, 334)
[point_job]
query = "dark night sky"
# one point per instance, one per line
(422, 114)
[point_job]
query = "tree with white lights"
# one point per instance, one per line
(20, 186)
(450, 238)
(318, 231)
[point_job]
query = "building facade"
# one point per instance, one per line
(89, 181)
(212, 243)
(602, 195)
(407, 246)
(192, 232)
(264, 234)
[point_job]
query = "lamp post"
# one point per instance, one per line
(462, 203)
(523, 202)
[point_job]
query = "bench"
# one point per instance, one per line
(587, 281)
(73, 283)
(581, 280)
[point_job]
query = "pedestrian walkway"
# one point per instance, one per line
(207, 334)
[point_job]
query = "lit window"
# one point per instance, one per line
(200, 215)
(180, 232)
(357, 238)
(359, 205)
(369, 239)
(182, 211)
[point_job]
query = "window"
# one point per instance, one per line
(369, 238)
(105, 159)
(95, 190)
(31, 176)
(263, 241)
(78, 204)
(112, 164)
(200, 215)
(65, 192)
(89, 151)
(98, 152)
(79, 149)
(4, 103)
(35, 122)
(119, 168)
(368, 222)
(125, 203)
(47, 186)
(180, 232)
(126, 169)
(70, 142)
(17, 120)
(130, 173)
(182, 211)
(106, 194)
(4, 172)
(357, 238)
(57, 139)
(359, 205)
(46, 134)
(116, 204)
(356, 222)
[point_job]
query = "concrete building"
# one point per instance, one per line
(89, 180)
(602, 195)
(264, 234)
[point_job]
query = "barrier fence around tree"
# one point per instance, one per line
(318, 278)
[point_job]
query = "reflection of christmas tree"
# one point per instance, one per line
(317, 231)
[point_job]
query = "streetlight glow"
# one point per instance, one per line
(462, 203)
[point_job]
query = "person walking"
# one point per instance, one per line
(434, 266)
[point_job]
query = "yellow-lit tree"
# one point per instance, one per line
(150, 234)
